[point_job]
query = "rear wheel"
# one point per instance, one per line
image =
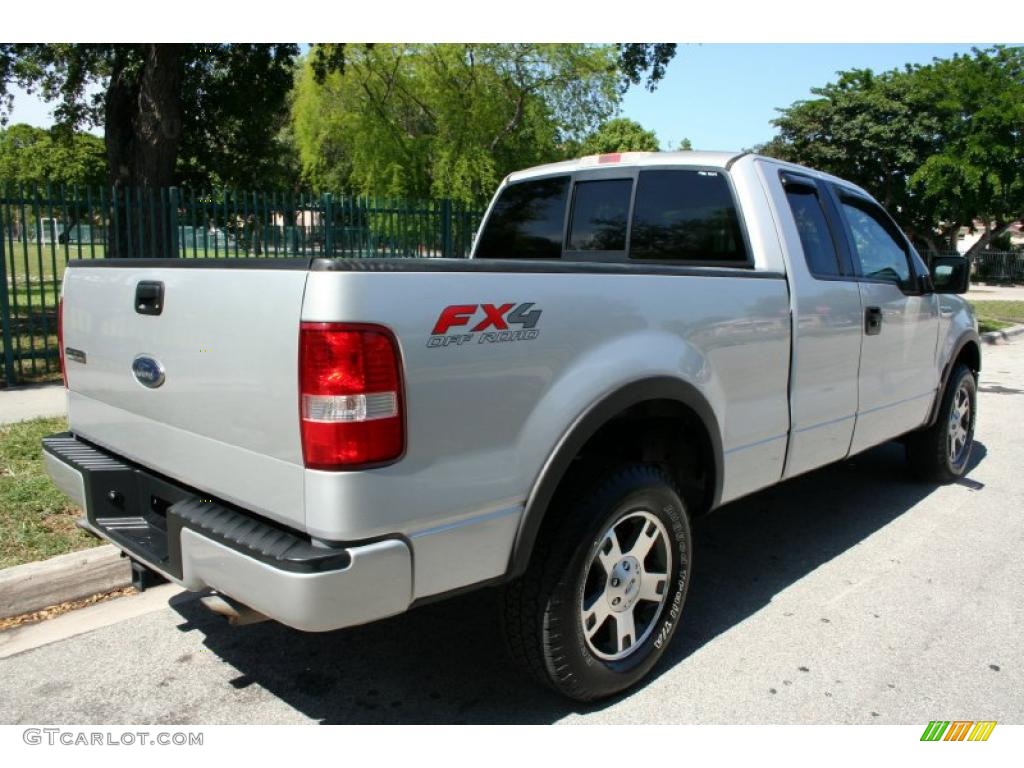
(605, 587)
(942, 452)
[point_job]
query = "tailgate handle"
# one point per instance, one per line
(149, 297)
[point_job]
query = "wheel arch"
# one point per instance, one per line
(966, 350)
(649, 390)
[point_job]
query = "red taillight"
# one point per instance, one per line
(350, 395)
(60, 340)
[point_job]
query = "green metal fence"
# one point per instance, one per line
(41, 229)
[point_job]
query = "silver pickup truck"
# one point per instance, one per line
(636, 340)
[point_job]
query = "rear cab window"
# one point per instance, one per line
(527, 221)
(655, 215)
(600, 211)
(686, 215)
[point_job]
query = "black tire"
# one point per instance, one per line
(928, 450)
(542, 609)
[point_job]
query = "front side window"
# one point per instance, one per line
(686, 215)
(526, 221)
(600, 210)
(877, 250)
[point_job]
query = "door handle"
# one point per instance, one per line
(872, 321)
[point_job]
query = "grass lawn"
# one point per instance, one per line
(36, 520)
(985, 325)
(996, 315)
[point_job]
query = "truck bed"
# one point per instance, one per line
(481, 413)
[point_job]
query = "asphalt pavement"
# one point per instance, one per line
(849, 595)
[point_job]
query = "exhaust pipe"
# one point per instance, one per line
(238, 615)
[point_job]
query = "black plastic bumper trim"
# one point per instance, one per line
(117, 492)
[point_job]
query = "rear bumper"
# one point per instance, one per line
(202, 543)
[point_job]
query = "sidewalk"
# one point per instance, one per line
(21, 403)
(995, 293)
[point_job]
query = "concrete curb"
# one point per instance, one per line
(29, 636)
(998, 337)
(34, 586)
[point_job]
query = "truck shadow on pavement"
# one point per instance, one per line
(446, 662)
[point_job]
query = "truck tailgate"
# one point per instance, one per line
(224, 418)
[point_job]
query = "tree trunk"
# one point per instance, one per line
(933, 246)
(950, 236)
(142, 133)
(991, 233)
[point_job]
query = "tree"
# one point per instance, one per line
(220, 107)
(32, 156)
(977, 172)
(940, 145)
(871, 129)
(195, 112)
(685, 145)
(445, 120)
(620, 135)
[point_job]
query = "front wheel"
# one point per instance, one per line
(942, 452)
(605, 587)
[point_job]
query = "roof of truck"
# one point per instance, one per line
(705, 159)
(702, 159)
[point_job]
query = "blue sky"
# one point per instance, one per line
(724, 96)
(720, 96)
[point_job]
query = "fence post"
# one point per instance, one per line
(328, 214)
(5, 314)
(172, 220)
(446, 229)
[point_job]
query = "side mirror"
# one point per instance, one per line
(950, 274)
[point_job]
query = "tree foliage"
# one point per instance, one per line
(941, 145)
(235, 127)
(32, 156)
(977, 172)
(202, 113)
(446, 120)
(620, 135)
(403, 119)
(645, 62)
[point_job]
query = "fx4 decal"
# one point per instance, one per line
(485, 324)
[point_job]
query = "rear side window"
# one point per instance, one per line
(686, 215)
(526, 221)
(600, 210)
(815, 237)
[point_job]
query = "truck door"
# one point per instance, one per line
(898, 372)
(826, 326)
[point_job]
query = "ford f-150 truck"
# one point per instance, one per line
(636, 340)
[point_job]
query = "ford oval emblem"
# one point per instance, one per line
(148, 371)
